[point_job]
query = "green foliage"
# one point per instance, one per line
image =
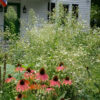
(72, 43)
(11, 22)
(95, 15)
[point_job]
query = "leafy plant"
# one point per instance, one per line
(11, 23)
(72, 43)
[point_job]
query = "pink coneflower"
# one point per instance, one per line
(9, 79)
(42, 75)
(60, 67)
(67, 81)
(29, 74)
(19, 68)
(43, 86)
(55, 82)
(23, 85)
(19, 97)
(29, 70)
(49, 89)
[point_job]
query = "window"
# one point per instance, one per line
(1, 8)
(75, 10)
(66, 8)
(51, 7)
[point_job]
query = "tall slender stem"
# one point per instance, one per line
(0, 77)
(4, 70)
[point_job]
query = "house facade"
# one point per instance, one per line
(42, 7)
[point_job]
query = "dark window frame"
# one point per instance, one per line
(51, 7)
(75, 10)
(66, 7)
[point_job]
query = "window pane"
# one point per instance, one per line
(75, 8)
(66, 8)
(52, 6)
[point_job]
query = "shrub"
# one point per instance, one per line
(11, 23)
(72, 43)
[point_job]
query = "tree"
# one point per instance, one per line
(95, 13)
(11, 22)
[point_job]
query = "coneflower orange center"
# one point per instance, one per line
(18, 65)
(67, 78)
(61, 64)
(19, 95)
(22, 82)
(29, 70)
(55, 78)
(9, 76)
(42, 71)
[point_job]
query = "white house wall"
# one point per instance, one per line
(41, 9)
(2, 15)
(84, 8)
(39, 6)
(1, 21)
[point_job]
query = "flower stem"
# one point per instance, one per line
(0, 77)
(4, 70)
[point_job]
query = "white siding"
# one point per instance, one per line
(14, 1)
(1, 21)
(41, 9)
(84, 8)
(2, 15)
(39, 6)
